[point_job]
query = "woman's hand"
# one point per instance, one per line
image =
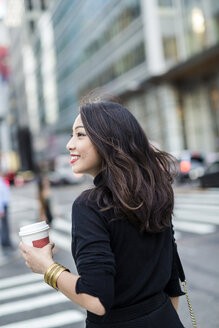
(37, 259)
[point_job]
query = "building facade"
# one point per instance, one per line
(22, 17)
(159, 56)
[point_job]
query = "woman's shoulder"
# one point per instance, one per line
(84, 204)
(84, 200)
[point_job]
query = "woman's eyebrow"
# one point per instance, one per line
(80, 126)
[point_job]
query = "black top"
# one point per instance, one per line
(115, 262)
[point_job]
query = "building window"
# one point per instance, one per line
(215, 18)
(127, 62)
(32, 25)
(170, 47)
(169, 36)
(165, 3)
(29, 4)
(43, 5)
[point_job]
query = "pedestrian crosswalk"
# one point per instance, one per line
(196, 212)
(26, 301)
(37, 295)
(52, 321)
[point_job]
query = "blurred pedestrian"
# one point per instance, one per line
(44, 196)
(4, 207)
(122, 240)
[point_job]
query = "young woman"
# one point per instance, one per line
(122, 240)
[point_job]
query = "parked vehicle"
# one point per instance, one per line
(191, 165)
(63, 174)
(210, 179)
(10, 175)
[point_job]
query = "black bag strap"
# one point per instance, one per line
(179, 264)
(183, 280)
(176, 256)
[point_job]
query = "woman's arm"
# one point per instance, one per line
(175, 302)
(39, 259)
(66, 284)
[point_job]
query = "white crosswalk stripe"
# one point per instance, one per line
(19, 280)
(24, 290)
(29, 284)
(196, 212)
(32, 303)
(28, 292)
(51, 321)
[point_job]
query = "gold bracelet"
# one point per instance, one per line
(52, 274)
(56, 276)
(48, 271)
(50, 278)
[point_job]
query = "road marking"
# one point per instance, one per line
(24, 290)
(19, 280)
(186, 215)
(51, 321)
(61, 240)
(199, 228)
(33, 303)
(198, 199)
(177, 235)
(199, 207)
(62, 225)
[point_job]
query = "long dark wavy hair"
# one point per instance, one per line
(137, 177)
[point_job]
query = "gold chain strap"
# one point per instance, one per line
(189, 305)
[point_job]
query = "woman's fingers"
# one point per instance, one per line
(21, 246)
(52, 245)
(27, 264)
(37, 259)
(22, 249)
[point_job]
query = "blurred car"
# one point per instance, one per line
(26, 176)
(191, 165)
(63, 174)
(210, 179)
(63, 177)
(10, 175)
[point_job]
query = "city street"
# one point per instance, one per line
(26, 301)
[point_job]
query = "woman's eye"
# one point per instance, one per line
(79, 134)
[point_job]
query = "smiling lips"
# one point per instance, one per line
(74, 158)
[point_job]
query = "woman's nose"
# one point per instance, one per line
(70, 145)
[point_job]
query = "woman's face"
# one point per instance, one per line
(84, 156)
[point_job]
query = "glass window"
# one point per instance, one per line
(29, 4)
(165, 3)
(134, 58)
(43, 5)
(169, 37)
(129, 13)
(215, 18)
(195, 26)
(62, 9)
(169, 47)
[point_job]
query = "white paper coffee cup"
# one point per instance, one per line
(36, 234)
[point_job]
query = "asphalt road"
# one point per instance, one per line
(26, 301)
